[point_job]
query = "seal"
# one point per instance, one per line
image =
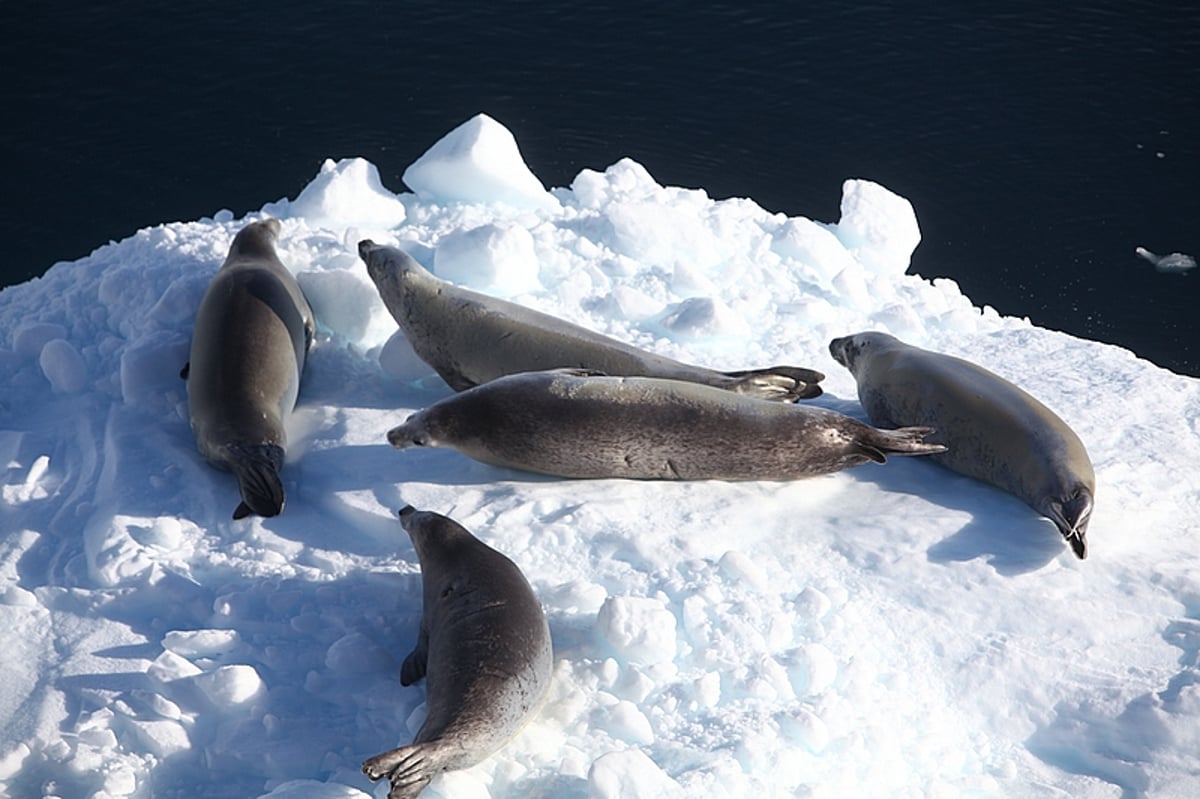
(571, 423)
(471, 338)
(483, 649)
(993, 430)
(253, 331)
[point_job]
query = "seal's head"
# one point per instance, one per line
(438, 539)
(390, 267)
(413, 433)
(256, 239)
(848, 350)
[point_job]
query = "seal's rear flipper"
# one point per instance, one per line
(1071, 517)
(903, 441)
(778, 383)
(409, 769)
(183, 373)
(257, 470)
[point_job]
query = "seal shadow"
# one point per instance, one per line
(1003, 530)
(1010, 535)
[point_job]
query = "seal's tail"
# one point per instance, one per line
(777, 383)
(878, 444)
(256, 467)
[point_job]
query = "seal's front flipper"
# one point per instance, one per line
(183, 373)
(257, 470)
(413, 667)
(778, 383)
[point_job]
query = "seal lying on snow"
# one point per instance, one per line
(575, 424)
(483, 649)
(471, 338)
(995, 432)
(253, 331)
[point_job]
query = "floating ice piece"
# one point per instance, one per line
(1173, 262)
(348, 192)
(477, 162)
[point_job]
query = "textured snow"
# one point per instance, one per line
(891, 630)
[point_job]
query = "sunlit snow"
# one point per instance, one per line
(890, 630)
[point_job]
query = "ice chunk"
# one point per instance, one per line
(151, 365)
(355, 653)
(743, 569)
(628, 723)
(629, 775)
(161, 737)
(477, 162)
(63, 366)
(348, 192)
(697, 317)
(398, 359)
(345, 301)
(200, 643)
(878, 227)
(813, 670)
(230, 685)
(30, 337)
(497, 259)
(641, 630)
(312, 789)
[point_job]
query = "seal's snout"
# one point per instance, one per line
(837, 348)
(407, 516)
(406, 436)
(398, 437)
(365, 247)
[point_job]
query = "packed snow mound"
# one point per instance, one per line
(711, 639)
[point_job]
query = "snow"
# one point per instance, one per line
(890, 630)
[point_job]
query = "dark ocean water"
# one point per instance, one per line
(1039, 143)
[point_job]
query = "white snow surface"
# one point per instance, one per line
(890, 630)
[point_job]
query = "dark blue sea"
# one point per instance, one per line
(1040, 143)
